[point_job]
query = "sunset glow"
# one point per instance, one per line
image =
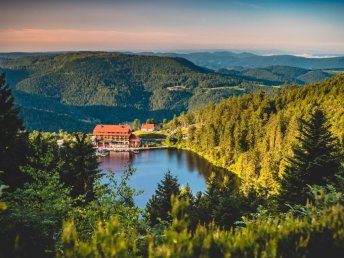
(162, 25)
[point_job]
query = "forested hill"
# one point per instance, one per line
(86, 88)
(112, 79)
(253, 134)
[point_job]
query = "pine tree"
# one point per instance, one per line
(315, 162)
(210, 200)
(81, 166)
(11, 144)
(159, 206)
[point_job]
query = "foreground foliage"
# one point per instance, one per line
(314, 235)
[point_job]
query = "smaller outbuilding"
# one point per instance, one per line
(148, 127)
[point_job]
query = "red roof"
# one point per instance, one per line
(104, 129)
(147, 126)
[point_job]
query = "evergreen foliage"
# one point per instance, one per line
(316, 160)
(81, 166)
(222, 203)
(286, 236)
(12, 143)
(316, 233)
(253, 134)
(10, 122)
(159, 206)
(32, 223)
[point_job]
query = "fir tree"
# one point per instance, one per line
(315, 161)
(12, 145)
(159, 206)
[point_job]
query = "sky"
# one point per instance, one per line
(299, 27)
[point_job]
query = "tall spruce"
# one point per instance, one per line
(159, 206)
(12, 144)
(315, 161)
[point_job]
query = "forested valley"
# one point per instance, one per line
(285, 146)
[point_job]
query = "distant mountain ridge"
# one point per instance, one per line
(229, 60)
(279, 75)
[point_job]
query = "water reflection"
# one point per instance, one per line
(151, 165)
(116, 161)
(195, 163)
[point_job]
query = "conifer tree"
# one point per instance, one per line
(315, 162)
(210, 200)
(11, 145)
(81, 166)
(159, 206)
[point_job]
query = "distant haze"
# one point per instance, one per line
(299, 27)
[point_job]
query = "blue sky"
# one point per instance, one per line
(298, 27)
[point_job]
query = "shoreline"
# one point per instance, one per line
(206, 157)
(134, 148)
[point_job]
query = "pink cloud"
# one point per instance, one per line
(55, 39)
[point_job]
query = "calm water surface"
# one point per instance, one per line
(151, 165)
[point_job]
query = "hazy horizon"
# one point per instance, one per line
(305, 54)
(281, 27)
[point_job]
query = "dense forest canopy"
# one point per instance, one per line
(252, 134)
(113, 79)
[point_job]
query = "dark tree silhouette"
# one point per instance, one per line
(12, 145)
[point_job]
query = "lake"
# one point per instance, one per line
(151, 165)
